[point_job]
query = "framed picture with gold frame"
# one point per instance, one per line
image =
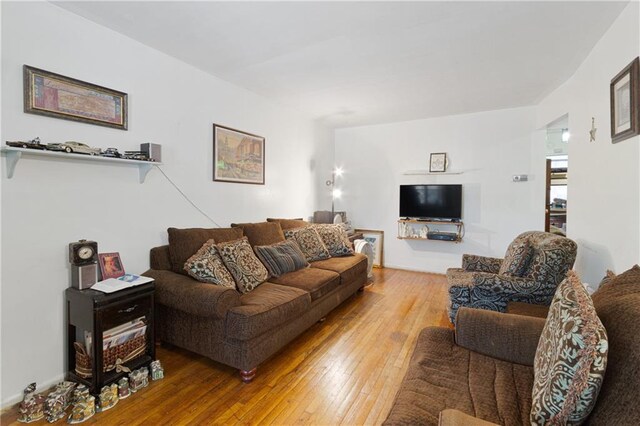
(376, 239)
(625, 102)
(237, 156)
(54, 95)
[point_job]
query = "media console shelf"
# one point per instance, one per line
(434, 230)
(13, 155)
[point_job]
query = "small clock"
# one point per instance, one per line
(83, 252)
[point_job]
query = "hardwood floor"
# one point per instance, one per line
(345, 370)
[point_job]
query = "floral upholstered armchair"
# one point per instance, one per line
(535, 263)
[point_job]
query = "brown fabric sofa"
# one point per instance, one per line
(243, 330)
(483, 371)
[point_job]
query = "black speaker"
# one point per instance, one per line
(152, 150)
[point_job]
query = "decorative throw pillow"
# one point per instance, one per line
(281, 258)
(335, 239)
(516, 260)
(309, 242)
(246, 269)
(207, 266)
(571, 358)
(606, 280)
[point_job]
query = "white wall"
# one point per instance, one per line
(604, 190)
(50, 203)
(488, 147)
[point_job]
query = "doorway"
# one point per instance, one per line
(557, 158)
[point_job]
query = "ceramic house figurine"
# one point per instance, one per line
(144, 373)
(123, 388)
(83, 410)
(108, 397)
(138, 379)
(157, 372)
(84, 405)
(58, 401)
(32, 405)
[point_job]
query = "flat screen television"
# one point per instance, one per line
(431, 201)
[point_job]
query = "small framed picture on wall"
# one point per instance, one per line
(625, 103)
(438, 162)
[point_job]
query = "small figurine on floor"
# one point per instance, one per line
(108, 397)
(138, 379)
(84, 405)
(58, 401)
(123, 388)
(32, 405)
(157, 372)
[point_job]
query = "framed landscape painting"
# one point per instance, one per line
(237, 156)
(376, 239)
(54, 95)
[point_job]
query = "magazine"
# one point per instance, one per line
(111, 285)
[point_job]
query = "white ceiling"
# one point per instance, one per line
(359, 63)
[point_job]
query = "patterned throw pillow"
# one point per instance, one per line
(335, 239)
(246, 269)
(309, 242)
(281, 258)
(206, 266)
(571, 358)
(516, 261)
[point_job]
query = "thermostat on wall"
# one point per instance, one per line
(520, 178)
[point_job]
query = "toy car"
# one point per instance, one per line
(111, 152)
(74, 147)
(137, 155)
(33, 144)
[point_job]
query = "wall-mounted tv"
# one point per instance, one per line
(431, 201)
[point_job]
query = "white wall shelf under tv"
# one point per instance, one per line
(415, 229)
(427, 172)
(13, 155)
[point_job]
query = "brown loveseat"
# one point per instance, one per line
(483, 371)
(243, 330)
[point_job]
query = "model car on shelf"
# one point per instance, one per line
(32, 144)
(137, 155)
(111, 152)
(74, 147)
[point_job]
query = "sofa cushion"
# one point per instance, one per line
(317, 282)
(281, 258)
(262, 233)
(206, 266)
(310, 243)
(443, 375)
(516, 260)
(289, 223)
(349, 268)
(618, 307)
(247, 270)
(335, 240)
(265, 308)
(571, 358)
(183, 243)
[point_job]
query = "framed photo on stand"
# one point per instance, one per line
(625, 103)
(376, 239)
(438, 162)
(110, 265)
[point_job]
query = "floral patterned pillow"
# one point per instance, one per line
(571, 358)
(310, 243)
(335, 239)
(206, 266)
(247, 271)
(517, 259)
